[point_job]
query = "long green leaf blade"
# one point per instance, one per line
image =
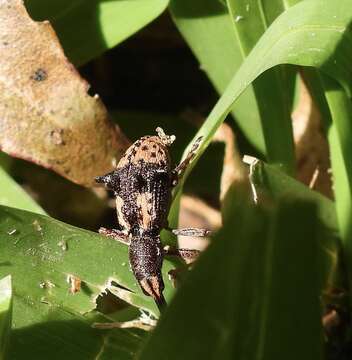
(104, 23)
(5, 314)
(42, 255)
(203, 23)
(241, 300)
(310, 33)
(47, 252)
(12, 194)
(274, 89)
(269, 181)
(339, 135)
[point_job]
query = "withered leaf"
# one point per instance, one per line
(46, 115)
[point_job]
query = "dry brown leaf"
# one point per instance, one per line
(46, 115)
(312, 150)
(194, 212)
(233, 170)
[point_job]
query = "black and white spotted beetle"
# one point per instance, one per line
(142, 183)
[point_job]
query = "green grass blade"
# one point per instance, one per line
(274, 89)
(67, 335)
(203, 23)
(41, 252)
(5, 314)
(311, 33)
(269, 181)
(12, 194)
(340, 135)
(251, 293)
(335, 108)
(88, 28)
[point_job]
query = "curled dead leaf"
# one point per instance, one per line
(311, 146)
(233, 170)
(46, 115)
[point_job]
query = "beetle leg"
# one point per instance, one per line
(188, 255)
(115, 234)
(174, 274)
(138, 324)
(185, 254)
(191, 232)
(180, 169)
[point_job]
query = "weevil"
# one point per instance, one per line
(142, 183)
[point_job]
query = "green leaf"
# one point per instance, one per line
(254, 290)
(250, 20)
(311, 33)
(5, 313)
(42, 254)
(339, 135)
(202, 23)
(12, 194)
(65, 335)
(269, 181)
(88, 28)
(335, 107)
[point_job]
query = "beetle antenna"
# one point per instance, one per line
(167, 140)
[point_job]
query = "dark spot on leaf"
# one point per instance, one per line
(5, 43)
(56, 136)
(145, 148)
(154, 146)
(39, 75)
(153, 154)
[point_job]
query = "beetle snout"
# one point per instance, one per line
(153, 286)
(146, 258)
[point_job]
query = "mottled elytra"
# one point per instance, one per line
(142, 183)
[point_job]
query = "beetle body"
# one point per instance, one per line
(142, 183)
